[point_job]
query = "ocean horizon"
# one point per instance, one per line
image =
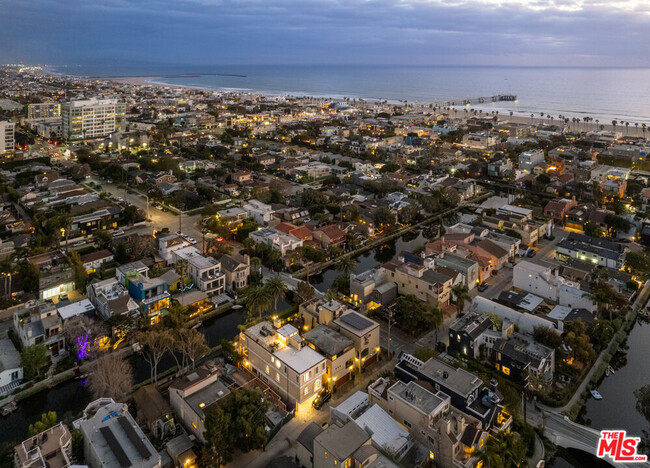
(606, 94)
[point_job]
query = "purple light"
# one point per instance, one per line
(82, 347)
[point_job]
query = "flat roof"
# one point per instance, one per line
(418, 396)
(342, 441)
(328, 340)
(210, 394)
(459, 380)
(384, 430)
(76, 308)
(299, 360)
(356, 323)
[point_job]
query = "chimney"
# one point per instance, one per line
(493, 385)
(247, 259)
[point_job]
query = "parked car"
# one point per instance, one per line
(323, 397)
(531, 253)
(63, 296)
(482, 287)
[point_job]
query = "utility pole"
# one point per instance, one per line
(180, 221)
(390, 321)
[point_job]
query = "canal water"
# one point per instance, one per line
(632, 371)
(70, 398)
(380, 254)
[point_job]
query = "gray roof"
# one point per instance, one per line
(459, 380)
(343, 441)
(229, 263)
(206, 397)
(418, 396)
(307, 436)
(9, 355)
(327, 340)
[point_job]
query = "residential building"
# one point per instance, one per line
(232, 216)
(51, 448)
(42, 112)
(40, 324)
(151, 295)
(11, 370)
(336, 446)
(276, 240)
(480, 140)
(260, 212)
(467, 391)
(557, 210)
(93, 261)
(242, 177)
(421, 280)
(468, 333)
(614, 188)
(283, 360)
(168, 243)
(467, 267)
(598, 251)
(529, 159)
(453, 439)
(205, 271)
(154, 412)
(364, 333)
(55, 274)
(112, 437)
(339, 352)
(110, 298)
(93, 118)
(525, 322)
(320, 311)
(522, 359)
(236, 271)
(547, 283)
(499, 168)
(7, 139)
(127, 271)
(329, 236)
(192, 396)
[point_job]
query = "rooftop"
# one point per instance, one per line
(342, 441)
(417, 396)
(459, 380)
(299, 360)
(328, 340)
(356, 323)
(201, 400)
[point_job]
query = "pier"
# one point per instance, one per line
(469, 101)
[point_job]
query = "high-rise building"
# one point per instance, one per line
(93, 118)
(7, 141)
(43, 111)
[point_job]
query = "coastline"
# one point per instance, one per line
(503, 116)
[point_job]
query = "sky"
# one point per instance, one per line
(329, 32)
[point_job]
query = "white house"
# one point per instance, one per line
(529, 159)
(11, 372)
(545, 282)
(276, 239)
(260, 212)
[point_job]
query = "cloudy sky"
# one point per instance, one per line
(420, 32)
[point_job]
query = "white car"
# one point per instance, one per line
(191, 240)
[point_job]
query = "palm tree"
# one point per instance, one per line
(435, 316)
(461, 292)
(346, 265)
(627, 125)
(181, 269)
(643, 126)
(277, 290)
(257, 299)
(257, 263)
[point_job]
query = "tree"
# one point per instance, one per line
(414, 316)
(461, 293)
(218, 448)
(81, 332)
(33, 359)
(602, 333)
(592, 229)
(277, 290)
(642, 395)
(257, 299)
(637, 262)
(192, 345)
(617, 223)
(102, 238)
(346, 265)
(384, 217)
(577, 339)
(111, 377)
(153, 346)
(247, 409)
(503, 450)
(228, 347)
(304, 292)
(80, 275)
(47, 420)
(547, 337)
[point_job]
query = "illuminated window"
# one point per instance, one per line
(267, 369)
(306, 391)
(194, 425)
(316, 385)
(506, 370)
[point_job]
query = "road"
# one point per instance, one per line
(159, 218)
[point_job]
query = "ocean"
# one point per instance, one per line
(605, 94)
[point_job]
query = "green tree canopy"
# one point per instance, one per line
(33, 359)
(47, 420)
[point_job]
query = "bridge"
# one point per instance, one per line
(563, 432)
(290, 281)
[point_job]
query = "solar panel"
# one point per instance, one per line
(356, 321)
(115, 447)
(134, 437)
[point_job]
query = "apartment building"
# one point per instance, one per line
(92, 118)
(42, 112)
(281, 358)
(7, 140)
(590, 249)
(113, 438)
(51, 448)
